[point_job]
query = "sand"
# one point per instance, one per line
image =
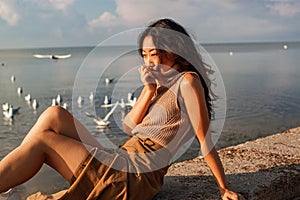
(266, 168)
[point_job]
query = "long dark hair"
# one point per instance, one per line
(171, 39)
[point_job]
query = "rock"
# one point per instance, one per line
(266, 168)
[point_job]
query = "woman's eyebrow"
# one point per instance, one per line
(150, 50)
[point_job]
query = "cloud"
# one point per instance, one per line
(61, 4)
(285, 8)
(133, 13)
(8, 13)
(106, 19)
(63, 21)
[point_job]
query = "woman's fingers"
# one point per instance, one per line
(230, 195)
(146, 75)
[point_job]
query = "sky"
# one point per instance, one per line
(60, 23)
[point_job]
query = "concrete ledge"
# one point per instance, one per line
(266, 168)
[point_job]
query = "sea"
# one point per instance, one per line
(257, 85)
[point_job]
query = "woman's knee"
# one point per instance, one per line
(52, 116)
(48, 122)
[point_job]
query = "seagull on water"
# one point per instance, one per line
(12, 78)
(109, 80)
(35, 104)
(59, 99)
(54, 103)
(28, 97)
(80, 100)
(91, 97)
(103, 122)
(132, 102)
(122, 104)
(10, 111)
(107, 102)
(5, 106)
(131, 99)
(20, 91)
(65, 106)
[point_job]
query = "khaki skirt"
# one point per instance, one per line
(121, 174)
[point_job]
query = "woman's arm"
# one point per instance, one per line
(193, 94)
(137, 113)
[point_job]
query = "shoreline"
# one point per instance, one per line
(265, 168)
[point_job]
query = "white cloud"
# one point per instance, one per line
(8, 13)
(208, 20)
(106, 19)
(137, 12)
(61, 4)
(285, 8)
(133, 13)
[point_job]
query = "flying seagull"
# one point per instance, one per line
(52, 56)
(103, 122)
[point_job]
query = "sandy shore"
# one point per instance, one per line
(266, 168)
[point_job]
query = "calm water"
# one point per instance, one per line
(261, 83)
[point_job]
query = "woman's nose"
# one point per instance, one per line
(148, 61)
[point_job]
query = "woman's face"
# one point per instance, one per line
(151, 55)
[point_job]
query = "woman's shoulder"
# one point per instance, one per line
(190, 82)
(189, 77)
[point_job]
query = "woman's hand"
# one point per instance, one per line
(147, 77)
(230, 195)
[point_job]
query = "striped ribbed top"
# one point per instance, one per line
(166, 121)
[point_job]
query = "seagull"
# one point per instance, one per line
(103, 122)
(20, 91)
(5, 106)
(65, 105)
(132, 102)
(122, 104)
(51, 56)
(54, 103)
(28, 97)
(80, 100)
(35, 104)
(107, 102)
(129, 97)
(10, 112)
(109, 80)
(91, 97)
(58, 99)
(13, 78)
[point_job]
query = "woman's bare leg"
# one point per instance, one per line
(53, 140)
(60, 121)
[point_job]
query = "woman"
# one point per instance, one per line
(176, 97)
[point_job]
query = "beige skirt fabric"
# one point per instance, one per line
(95, 179)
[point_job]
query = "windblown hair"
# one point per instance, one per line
(173, 41)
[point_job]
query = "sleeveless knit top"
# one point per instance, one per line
(166, 121)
